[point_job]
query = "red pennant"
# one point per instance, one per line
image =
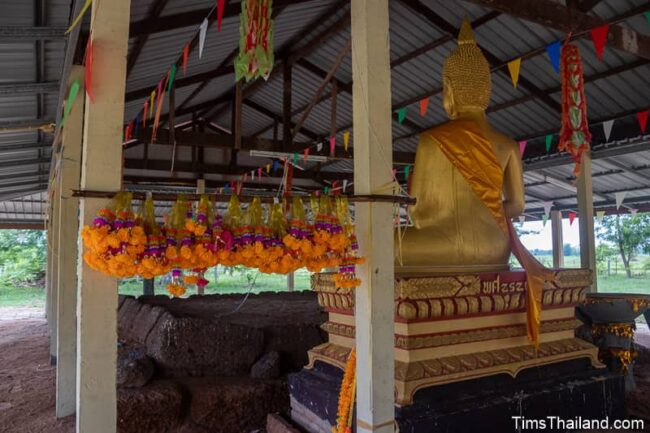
(599, 36)
(306, 153)
(220, 7)
(88, 73)
(642, 117)
(335, 191)
(572, 217)
(424, 105)
(186, 54)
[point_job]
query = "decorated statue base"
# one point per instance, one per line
(455, 335)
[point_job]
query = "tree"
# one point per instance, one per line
(628, 234)
(22, 255)
(567, 250)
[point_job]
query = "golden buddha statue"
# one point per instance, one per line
(454, 230)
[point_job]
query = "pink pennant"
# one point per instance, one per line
(424, 105)
(522, 147)
(186, 54)
(88, 73)
(332, 145)
(572, 217)
(394, 173)
(159, 93)
(599, 36)
(642, 117)
(259, 172)
(306, 153)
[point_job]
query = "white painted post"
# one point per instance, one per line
(558, 241)
(66, 374)
(374, 311)
(101, 171)
(586, 218)
(200, 189)
(54, 280)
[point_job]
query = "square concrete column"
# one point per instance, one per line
(557, 239)
(586, 218)
(372, 141)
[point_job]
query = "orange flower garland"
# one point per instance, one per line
(346, 396)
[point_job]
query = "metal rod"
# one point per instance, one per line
(137, 195)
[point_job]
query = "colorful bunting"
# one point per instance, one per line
(72, 96)
(514, 66)
(424, 106)
(88, 72)
(547, 207)
(553, 51)
(346, 140)
(572, 217)
(549, 141)
(600, 215)
(332, 146)
(202, 32)
(619, 196)
(77, 20)
(642, 117)
(186, 55)
(599, 37)
(522, 147)
(172, 76)
(607, 128)
(401, 115)
(221, 5)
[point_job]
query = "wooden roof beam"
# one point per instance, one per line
(552, 14)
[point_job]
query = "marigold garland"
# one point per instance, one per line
(194, 238)
(346, 396)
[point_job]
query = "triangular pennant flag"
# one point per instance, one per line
(259, 172)
(77, 20)
(619, 196)
(252, 174)
(295, 157)
(332, 145)
(145, 110)
(276, 165)
(544, 220)
(600, 215)
(633, 212)
(647, 16)
(202, 32)
(156, 120)
(522, 147)
(346, 140)
(136, 127)
(394, 173)
(72, 95)
(522, 219)
(152, 97)
(306, 153)
(268, 168)
(553, 51)
(607, 128)
(401, 115)
(88, 72)
(226, 189)
(599, 36)
(245, 177)
(319, 146)
(159, 93)
(407, 170)
(424, 106)
(345, 185)
(547, 207)
(572, 217)
(221, 5)
(513, 67)
(549, 142)
(172, 76)
(186, 55)
(642, 117)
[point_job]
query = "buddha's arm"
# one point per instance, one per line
(513, 186)
(422, 181)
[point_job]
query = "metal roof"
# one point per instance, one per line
(616, 87)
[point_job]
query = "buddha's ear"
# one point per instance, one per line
(448, 101)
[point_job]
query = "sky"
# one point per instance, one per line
(543, 240)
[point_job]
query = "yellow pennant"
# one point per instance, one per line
(151, 103)
(513, 67)
(79, 17)
(268, 168)
(346, 140)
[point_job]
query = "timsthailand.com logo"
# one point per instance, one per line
(523, 424)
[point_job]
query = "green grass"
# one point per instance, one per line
(22, 297)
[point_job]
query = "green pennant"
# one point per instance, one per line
(295, 158)
(544, 220)
(72, 95)
(172, 76)
(407, 170)
(326, 190)
(647, 16)
(549, 141)
(401, 115)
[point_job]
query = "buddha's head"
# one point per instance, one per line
(466, 76)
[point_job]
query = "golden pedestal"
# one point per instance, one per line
(458, 327)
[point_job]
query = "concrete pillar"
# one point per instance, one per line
(374, 311)
(54, 253)
(586, 218)
(70, 169)
(291, 282)
(558, 241)
(101, 170)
